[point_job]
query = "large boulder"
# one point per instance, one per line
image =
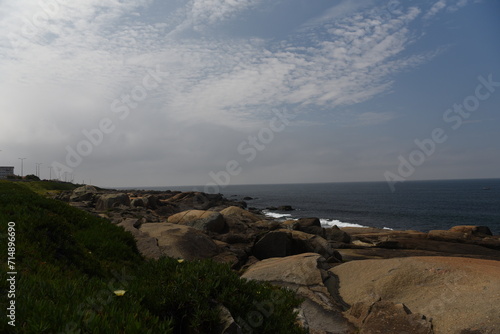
(152, 201)
(472, 230)
(335, 234)
(147, 245)
(450, 236)
(461, 295)
(233, 213)
(307, 225)
(196, 200)
(139, 202)
(414, 243)
(109, 201)
(303, 273)
(242, 226)
(283, 242)
(179, 241)
(207, 221)
(83, 193)
(446, 248)
(273, 244)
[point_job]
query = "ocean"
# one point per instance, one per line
(415, 205)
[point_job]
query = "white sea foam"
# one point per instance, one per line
(276, 215)
(324, 222)
(332, 222)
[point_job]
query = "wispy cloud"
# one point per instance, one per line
(61, 67)
(207, 12)
(94, 51)
(372, 118)
(436, 8)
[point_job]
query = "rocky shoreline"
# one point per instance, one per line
(353, 280)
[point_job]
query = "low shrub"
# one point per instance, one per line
(69, 264)
(191, 293)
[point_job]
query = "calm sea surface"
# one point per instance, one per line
(417, 205)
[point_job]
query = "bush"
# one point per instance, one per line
(190, 293)
(69, 263)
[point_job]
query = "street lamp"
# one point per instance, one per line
(22, 159)
(37, 173)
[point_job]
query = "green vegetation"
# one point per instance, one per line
(32, 177)
(69, 263)
(48, 187)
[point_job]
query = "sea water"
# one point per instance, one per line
(415, 205)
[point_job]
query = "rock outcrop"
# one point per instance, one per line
(303, 273)
(307, 225)
(83, 193)
(181, 242)
(459, 294)
(110, 201)
(377, 243)
(472, 230)
(443, 281)
(388, 318)
(207, 221)
(200, 201)
(146, 244)
(281, 243)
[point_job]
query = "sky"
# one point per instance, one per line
(136, 93)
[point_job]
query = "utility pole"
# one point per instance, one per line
(22, 159)
(38, 168)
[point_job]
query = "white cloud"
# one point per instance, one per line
(62, 77)
(460, 4)
(89, 64)
(201, 14)
(338, 11)
(212, 11)
(436, 8)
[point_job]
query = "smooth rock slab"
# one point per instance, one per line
(109, 201)
(301, 273)
(208, 221)
(283, 242)
(457, 293)
(239, 214)
(83, 193)
(182, 242)
(388, 318)
(147, 245)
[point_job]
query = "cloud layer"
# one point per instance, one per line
(64, 66)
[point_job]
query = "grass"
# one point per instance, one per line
(69, 263)
(48, 187)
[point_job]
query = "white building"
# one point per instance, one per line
(4, 171)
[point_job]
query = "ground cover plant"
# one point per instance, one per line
(77, 273)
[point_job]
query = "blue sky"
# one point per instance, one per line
(146, 93)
